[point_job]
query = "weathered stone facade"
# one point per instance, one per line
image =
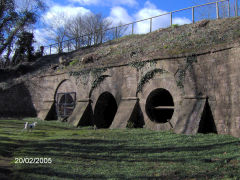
(200, 84)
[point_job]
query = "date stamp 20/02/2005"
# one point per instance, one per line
(29, 160)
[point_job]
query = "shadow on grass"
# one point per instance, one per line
(96, 150)
(88, 150)
(125, 147)
(7, 148)
(24, 172)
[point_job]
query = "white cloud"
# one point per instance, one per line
(130, 3)
(42, 37)
(125, 2)
(65, 12)
(181, 21)
(39, 35)
(55, 17)
(86, 2)
(150, 10)
(119, 15)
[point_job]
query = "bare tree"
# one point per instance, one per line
(121, 30)
(82, 31)
(94, 26)
(87, 30)
(75, 31)
(58, 31)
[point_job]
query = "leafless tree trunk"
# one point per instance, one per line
(83, 30)
(59, 31)
(87, 30)
(121, 29)
(75, 31)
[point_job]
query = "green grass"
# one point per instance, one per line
(175, 25)
(73, 62)
(83, 153)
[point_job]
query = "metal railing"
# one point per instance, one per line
(129, 29)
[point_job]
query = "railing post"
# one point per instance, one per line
(132, 28)
(236, 8)
(101, 36)
(171, 18)
(89, 39)
(68, 46)
(116, 33)
(193, 21)
(217, 10)
(229, 9)
(59, 47)
(76, 43)
(150, 24)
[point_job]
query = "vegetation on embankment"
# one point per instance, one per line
(82, 153)
(169, 43)
(201, 37)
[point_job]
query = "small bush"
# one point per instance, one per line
(175, 25)
(74, 62)
(130, 124)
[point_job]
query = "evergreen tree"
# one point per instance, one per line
(24, 50)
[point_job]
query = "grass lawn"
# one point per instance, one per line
(84, 153)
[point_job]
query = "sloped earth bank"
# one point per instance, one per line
(176, 41)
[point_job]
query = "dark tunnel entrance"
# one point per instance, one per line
(159, 106)
(207, 124)
(105, 110)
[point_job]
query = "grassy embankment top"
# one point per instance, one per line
(175, 41)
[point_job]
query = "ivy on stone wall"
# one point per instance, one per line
(85, 73)
(180, 78)
(81, 74)
(97, 82)
(153, 63)
(182, 72)
(140, 64)
(149, 75)
(97, 72)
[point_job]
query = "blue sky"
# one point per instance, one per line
(124, 11)
(132, 6)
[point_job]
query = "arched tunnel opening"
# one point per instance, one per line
(65, 104)
(159, 106)
(105, 110)
(207, 124)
